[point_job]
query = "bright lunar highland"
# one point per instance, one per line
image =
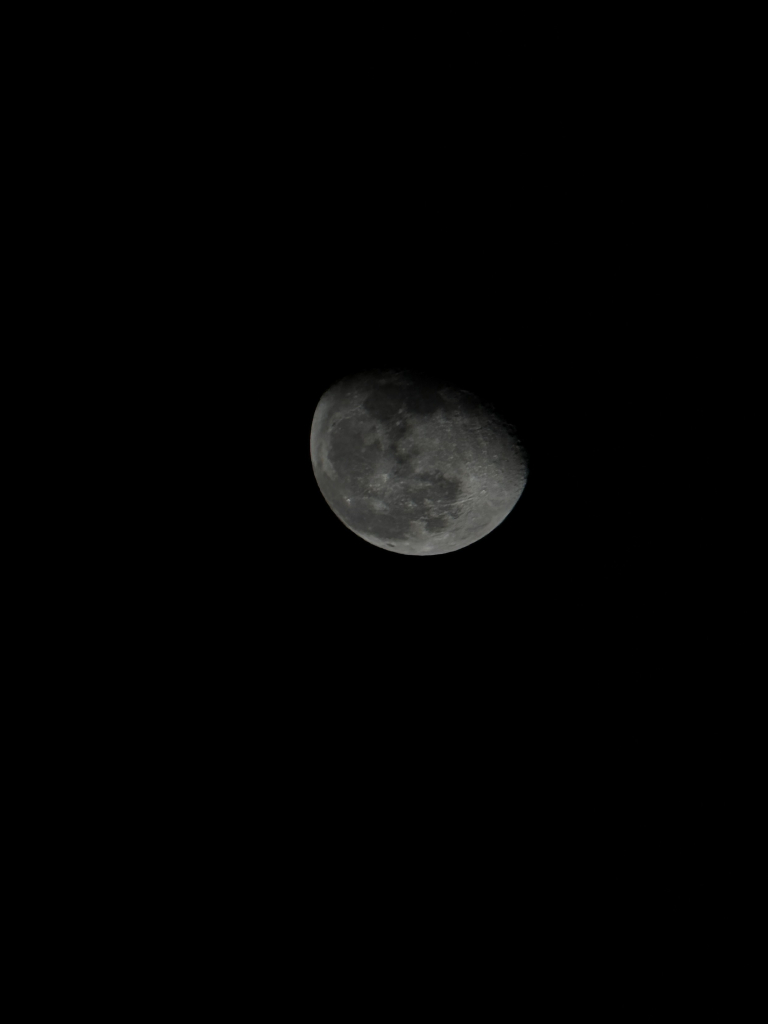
(414, 465)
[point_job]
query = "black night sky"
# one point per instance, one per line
(505, 236)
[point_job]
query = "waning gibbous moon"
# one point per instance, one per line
(414, 465)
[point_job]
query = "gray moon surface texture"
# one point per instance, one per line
(414, 465)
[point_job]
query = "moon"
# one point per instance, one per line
(412, 464)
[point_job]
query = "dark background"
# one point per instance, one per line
(488, 221)
(520, 217)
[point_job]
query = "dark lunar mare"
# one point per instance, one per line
(416, 393)
(355, 463)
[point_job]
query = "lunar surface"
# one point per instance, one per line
(412, 465)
